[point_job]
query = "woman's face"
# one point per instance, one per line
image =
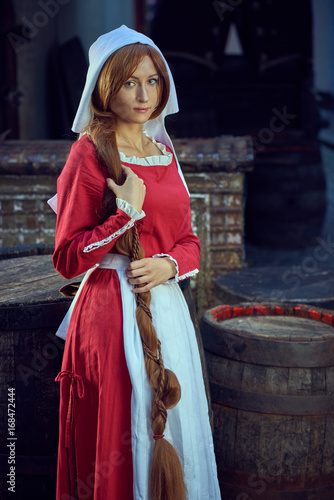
(139, 95)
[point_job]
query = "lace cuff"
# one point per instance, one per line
(176, 277)
(131, 212)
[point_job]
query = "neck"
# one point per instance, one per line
(130, 136)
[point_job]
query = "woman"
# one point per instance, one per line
(133, 411)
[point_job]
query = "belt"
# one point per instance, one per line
(113, 261)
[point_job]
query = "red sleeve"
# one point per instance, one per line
(186, 251)
(81, 240)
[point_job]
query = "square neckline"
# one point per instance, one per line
(165, 158)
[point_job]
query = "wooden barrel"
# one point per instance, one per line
(31, 309)
(271, 371)
(304, 284)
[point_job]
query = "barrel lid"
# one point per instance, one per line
(278, 284)
(30, 280)
(29, 294)
(286, 328)
(271, 334)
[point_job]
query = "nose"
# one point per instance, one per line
(142, 95)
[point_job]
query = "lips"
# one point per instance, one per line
(141, 110)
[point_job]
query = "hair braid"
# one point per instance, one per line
(166, 474)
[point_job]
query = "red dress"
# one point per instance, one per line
(95, 457)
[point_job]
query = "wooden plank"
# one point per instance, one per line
(300, 382)
(234, 374)
(318, 381)
(330, 380)
(225, 423)
(271, 452)
(315, 447)
(295, 445)
(247, 442)
(327, 468)
(276, 381)
(254, 377)
(216, 367)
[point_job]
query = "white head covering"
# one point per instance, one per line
(99, 52)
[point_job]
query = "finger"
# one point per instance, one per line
(135, 266)
(143, 289)
(127, 170)
(135, 274)
(111, 184)
(141, 280)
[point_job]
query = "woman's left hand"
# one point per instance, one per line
(150, 272)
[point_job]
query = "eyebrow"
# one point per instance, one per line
(151, 76)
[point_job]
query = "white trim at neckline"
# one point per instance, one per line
(165, 159)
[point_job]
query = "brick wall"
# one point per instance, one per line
(28, 173)
(25, 217)
(217, 211)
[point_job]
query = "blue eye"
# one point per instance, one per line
(153, 81)
(129, 84)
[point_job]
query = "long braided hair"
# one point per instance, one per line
(166, 474)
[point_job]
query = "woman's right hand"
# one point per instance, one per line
(133, 190)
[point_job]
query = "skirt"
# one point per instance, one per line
(106, 442)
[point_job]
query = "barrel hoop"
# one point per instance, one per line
(33, 316)
(265, 351)
(275, 404)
